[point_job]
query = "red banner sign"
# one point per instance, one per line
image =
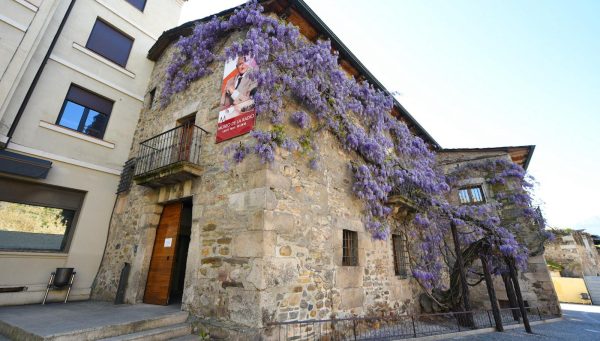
(236, 126)
(237, 113)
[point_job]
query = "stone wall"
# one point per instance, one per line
(575, 253)
(266, 240)
(535, 281)
(311, 210)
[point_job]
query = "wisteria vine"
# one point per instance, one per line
(356, 113)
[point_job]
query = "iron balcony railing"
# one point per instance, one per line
(407, 190)
(180, 144)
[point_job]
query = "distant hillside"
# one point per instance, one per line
(33, 219)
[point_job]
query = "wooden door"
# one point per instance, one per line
(158, 284)
(185, 137)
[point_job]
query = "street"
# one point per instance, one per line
(581, 322)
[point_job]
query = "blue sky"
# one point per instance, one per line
(488, 74)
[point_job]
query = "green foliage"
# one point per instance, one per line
(203, 335)
(553, 265)
(278, 134)
(561, 232)
(33, 219)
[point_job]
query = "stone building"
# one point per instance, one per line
(257, 242)
(574, 254)
(72, 82)
(535, 282)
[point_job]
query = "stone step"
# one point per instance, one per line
(130, 327)
(187, 338)
(156, 334)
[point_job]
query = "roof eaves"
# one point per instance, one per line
(168, 36)
(345, 52)
(530, 150)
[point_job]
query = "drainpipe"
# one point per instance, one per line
(36, 78)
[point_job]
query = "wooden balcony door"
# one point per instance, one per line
(160, 275)
(186, 137)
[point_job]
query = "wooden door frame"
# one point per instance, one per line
(159, 242)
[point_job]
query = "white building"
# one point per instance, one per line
(73, 79)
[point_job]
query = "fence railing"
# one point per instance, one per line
(513, 315)
(395, 327)
(181, 143)
(407, 190)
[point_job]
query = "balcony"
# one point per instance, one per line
(404, 198)
(170, 157)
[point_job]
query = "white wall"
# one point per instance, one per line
(79, 161)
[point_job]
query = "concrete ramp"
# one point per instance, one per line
(93, 321)
(593, 285)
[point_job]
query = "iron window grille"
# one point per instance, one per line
(471, 195)
(350, 248)
(400, 248)
(126, 176)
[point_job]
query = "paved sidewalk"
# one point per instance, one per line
(57, 318)
(581, 323)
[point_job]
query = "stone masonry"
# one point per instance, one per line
(575, 252)
(536, 284)
(266, 240)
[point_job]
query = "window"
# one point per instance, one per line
(400, 248)
(35, 217)
(350, 248)
(139, 4)
(109, 43)
(85, 112)
(471, 195)
(126, 179)
(151, 96)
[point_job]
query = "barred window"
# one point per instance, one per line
(471, 195)
(350, 248)
(400, 247)
(126, 176)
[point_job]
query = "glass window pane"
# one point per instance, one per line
(109, 43)
(71, 115)
(139, 4)
(95, 124)
(30, 227)
(477, 194)
(463, 195)
(89, 99)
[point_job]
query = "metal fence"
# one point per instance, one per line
(513, 315)
(407, 190)
(394, 327)
(176, 145)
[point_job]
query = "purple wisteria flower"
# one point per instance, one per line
(301, 119)
(388, 155)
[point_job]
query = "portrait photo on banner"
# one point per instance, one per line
(237, 113)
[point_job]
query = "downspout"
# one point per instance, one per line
(36, 78)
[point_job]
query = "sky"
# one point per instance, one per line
(488, 74)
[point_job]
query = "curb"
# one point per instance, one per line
(481, 331)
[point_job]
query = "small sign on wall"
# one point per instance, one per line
(168, 242)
